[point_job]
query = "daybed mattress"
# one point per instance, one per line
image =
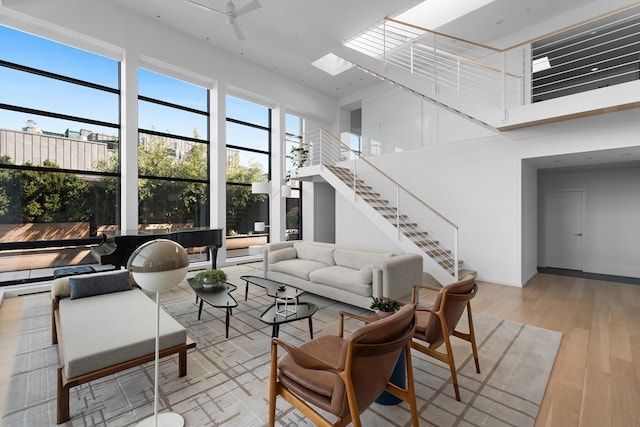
(102, 331)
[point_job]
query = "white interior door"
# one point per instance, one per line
(563, 229)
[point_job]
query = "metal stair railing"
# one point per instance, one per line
(417, 222)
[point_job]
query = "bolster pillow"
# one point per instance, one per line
(91, 285)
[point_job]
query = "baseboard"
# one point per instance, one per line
(593, 276)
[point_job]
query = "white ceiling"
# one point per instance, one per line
(288, 35)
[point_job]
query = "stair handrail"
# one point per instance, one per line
(328, 150)
(356, 154)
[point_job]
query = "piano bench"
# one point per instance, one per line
(72, 271)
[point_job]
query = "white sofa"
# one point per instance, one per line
(353, 276)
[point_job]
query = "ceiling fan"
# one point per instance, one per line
(231, 13)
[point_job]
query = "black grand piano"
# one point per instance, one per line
(117, 248)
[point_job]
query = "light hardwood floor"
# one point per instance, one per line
(596, 377)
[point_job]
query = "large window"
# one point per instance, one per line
(59, 152)
(172, 153)
(248, 160)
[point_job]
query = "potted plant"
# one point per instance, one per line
(385, 306)
(210, 278)
(300, 156)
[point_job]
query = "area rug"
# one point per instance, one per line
(227, 381)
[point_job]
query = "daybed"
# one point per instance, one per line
(103, 324)
(344, 274)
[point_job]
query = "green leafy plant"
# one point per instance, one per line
(385, 304)
(210, 277)
(300, 156)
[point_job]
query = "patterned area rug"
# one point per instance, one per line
(227, 380)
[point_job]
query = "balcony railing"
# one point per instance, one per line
(594, 53)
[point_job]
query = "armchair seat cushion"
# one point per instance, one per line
(315, 384)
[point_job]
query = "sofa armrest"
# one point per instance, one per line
(393, 277)
(270, 247)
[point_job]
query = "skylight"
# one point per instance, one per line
(332, 64)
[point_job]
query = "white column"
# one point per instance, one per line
(277, 220)
(217, 162)
(129, 142)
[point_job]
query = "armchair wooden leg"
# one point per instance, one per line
(411, 388)
(273, 384)
(452, 366)
(472, 338)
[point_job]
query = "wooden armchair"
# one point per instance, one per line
(437, 322)
(344, 376)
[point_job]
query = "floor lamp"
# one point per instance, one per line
(158, 266)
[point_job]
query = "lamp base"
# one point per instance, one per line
(166, 419)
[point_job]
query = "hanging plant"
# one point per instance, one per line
(299, 156)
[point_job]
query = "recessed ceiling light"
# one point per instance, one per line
(499, 21)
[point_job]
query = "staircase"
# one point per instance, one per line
(412, 224)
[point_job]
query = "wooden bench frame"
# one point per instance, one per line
(65, 384)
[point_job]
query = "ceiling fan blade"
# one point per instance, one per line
(248, 8)
(237, 29)
(205, 7)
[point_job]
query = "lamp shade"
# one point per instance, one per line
(285, 190)
(261, 187)
(158, 265)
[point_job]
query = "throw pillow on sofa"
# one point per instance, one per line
(315, 252)
(282, 255)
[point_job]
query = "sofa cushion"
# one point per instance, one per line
(343, 278)
(365, 274)
(315, 252)
(282, 254)
(91, 285)
(356, 259)
(299, 268)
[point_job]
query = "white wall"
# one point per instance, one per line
(611, 233)
(483, 187)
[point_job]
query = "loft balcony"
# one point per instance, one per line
(586, 69)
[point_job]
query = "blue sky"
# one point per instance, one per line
(37, 92)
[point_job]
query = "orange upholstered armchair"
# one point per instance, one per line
(344, 376)
(437, 322)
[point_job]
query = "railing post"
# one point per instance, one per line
(504, 86)
(384, 42)
(398, 211)
(458, 75)
(455, 253)
(435, 65)
(411, 57)
(355, 169)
